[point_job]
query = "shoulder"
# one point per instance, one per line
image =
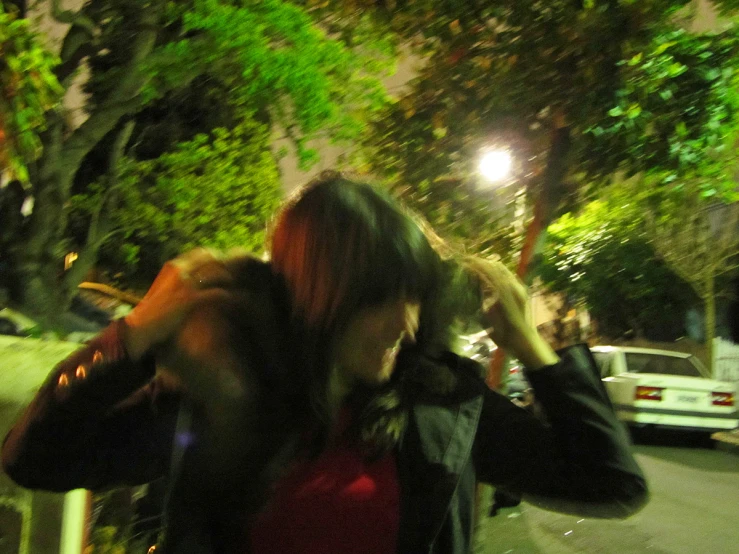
(467, 367)
(464, 369)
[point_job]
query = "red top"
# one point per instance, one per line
(335, 503)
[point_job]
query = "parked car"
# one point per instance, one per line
(650, 387)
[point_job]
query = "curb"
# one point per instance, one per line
(728, 441)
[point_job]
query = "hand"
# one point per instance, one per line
(193, 277)
(506, 312)
(505, 309)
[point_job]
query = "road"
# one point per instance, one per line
(694, 510)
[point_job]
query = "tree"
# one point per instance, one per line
(700, 243)
(217, 190)
(28, 88)
(632, 91)
(579, 91)
(602, 255)
(266, 58)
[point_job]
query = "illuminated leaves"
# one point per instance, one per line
(216, 190)
(603, 257)
(28, 89)
(268, 54)
(639, 94)
(675, 109)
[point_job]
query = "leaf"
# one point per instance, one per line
(635, 60)
(409, 108)
(597, 130)
(615, 112)
(676, 69)
(713, 74)
(485, 62)
(662, 48)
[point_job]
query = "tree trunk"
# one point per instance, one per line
(39, 291)
(37, 259)
(709, 302)
(101, 225)
(44, 292)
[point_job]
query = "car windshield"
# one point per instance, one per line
(657, 363)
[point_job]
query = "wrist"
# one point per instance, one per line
(534, 352)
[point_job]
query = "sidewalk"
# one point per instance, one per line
(727, 440)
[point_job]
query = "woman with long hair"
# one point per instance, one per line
(313, 402)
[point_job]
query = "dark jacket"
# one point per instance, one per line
(101, 420)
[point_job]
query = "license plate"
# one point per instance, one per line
(688, 398)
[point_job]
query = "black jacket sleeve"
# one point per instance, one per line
(98, 420)
(580, 462)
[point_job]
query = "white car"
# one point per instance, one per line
(667, 389)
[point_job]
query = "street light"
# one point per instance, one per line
(495, 165)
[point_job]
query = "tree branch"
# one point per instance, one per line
(694, 247)
(59, 165)
(122, 100)
(727, 243)
(94, 237)
(76, 46)
(101, 227)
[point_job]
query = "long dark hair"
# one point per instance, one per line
(341, 245)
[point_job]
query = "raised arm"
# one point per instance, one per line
(580, 462)
(101, 417)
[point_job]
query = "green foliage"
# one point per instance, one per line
(119, 522)
(185, 66)
(604, 257)
(216, 190)
(213, 62)
(676, 113)
(28, 89)
(726, 7)
(637, 93)
(267, 54)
